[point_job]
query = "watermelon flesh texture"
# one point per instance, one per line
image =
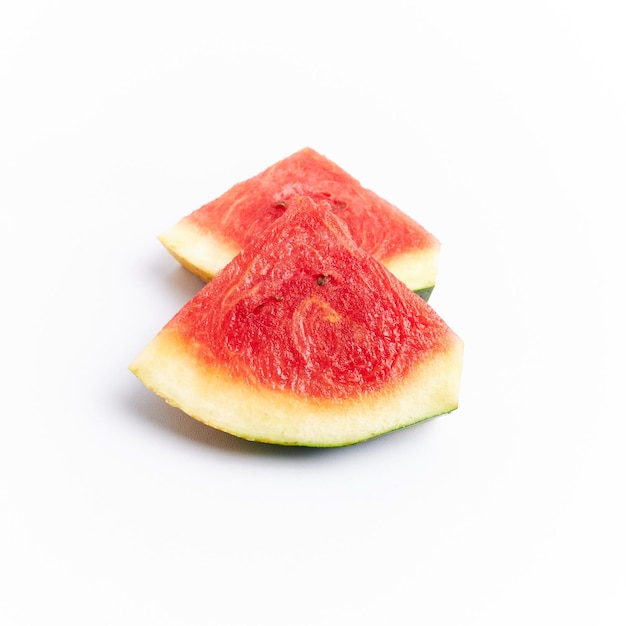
(305, 339)
(207, 239)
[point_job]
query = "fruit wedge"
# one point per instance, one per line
(207, 239)
(305, 339)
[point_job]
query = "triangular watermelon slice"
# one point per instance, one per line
(305, 339)
(207, 239)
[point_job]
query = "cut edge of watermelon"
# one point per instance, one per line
(210, 396)
(204, 255)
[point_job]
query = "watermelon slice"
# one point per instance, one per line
(207, 239)
(305, 339)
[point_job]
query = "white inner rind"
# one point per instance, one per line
(204, 254)
(197, 250)
(416, 269)
(211, 396)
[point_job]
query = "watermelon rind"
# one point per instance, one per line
(260, 414)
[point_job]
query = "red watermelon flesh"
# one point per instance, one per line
(305, 339)
(208, 238)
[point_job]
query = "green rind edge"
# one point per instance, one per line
(424, 294)
(345, 444)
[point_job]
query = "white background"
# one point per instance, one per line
(500, 126)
